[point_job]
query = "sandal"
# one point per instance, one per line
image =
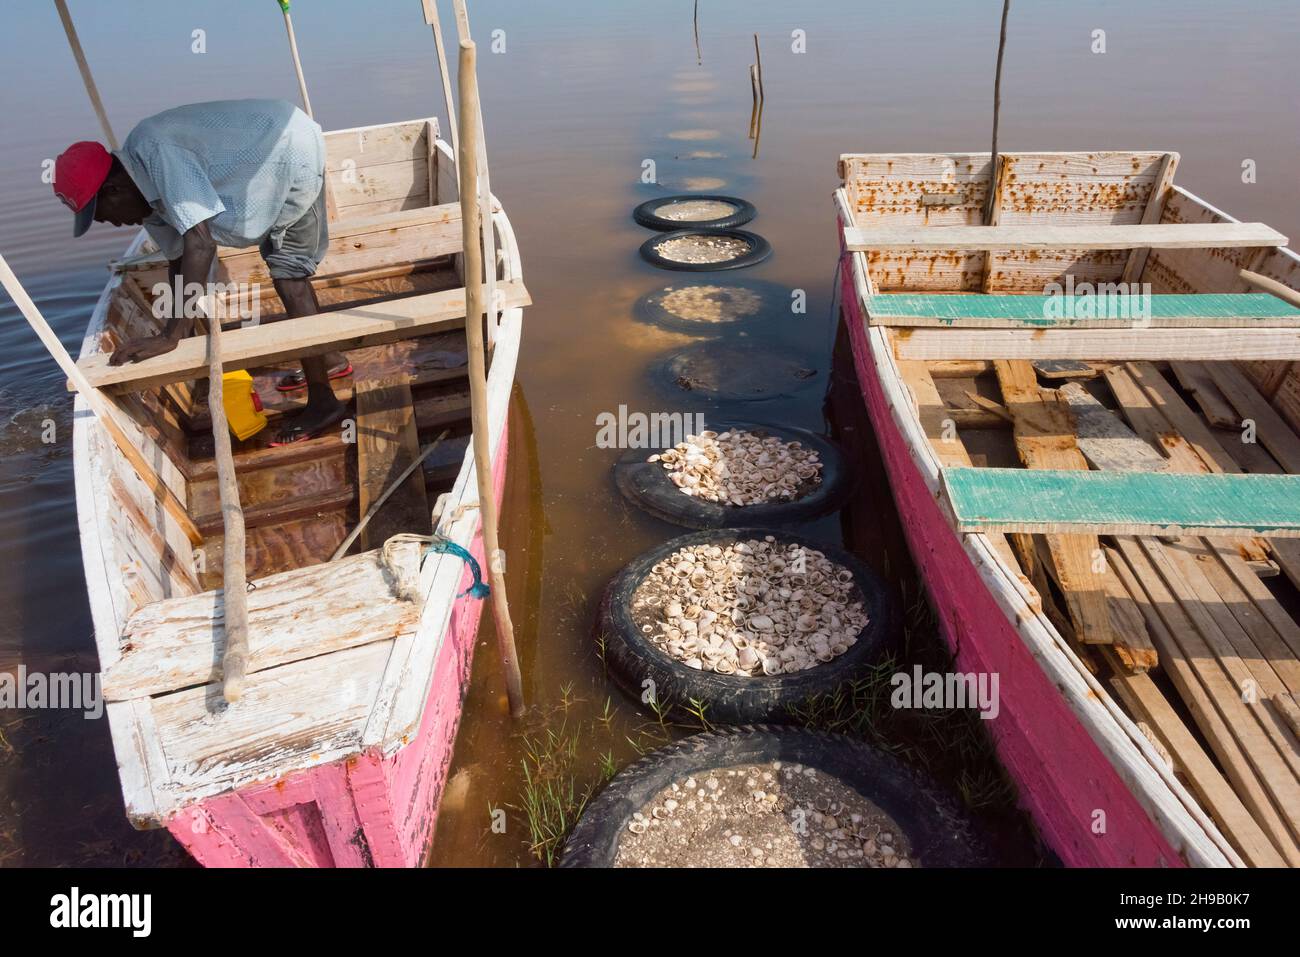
(293, 432)
(296, 381)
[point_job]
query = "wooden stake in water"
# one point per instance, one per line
(997, 110)
(699, 57)
(473, 225)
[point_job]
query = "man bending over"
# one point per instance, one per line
(230, 173)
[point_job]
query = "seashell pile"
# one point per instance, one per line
(773, 814)
(741, 468)
(750, 608)
(702, 248)
(699, 210)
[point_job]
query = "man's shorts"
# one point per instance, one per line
(303, 246)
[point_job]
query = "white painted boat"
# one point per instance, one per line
(1152, 725)
(338, 750)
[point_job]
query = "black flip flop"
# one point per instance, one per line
(297, 382)
(291, 433)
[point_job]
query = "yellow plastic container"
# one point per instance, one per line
(243, 407)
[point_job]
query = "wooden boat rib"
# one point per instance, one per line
(338, 750)
(1148, 702)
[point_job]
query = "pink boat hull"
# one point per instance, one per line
(1081, 807)
(368, 810)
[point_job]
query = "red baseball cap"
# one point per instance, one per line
(78, 173)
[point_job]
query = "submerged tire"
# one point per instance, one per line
(647, 214)
(759, 250)
(736, 301)
(646, 485)
(939, 833)
(632, 658)
(744, 371)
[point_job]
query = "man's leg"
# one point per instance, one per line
(291, 266)
(323, 407)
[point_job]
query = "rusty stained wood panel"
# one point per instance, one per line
(1096, 188)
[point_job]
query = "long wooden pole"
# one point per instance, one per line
(99, 404)
(331, 208)
(484, 194)
(997, 111)
(467, 163)
(1286, 294)
(234, 576)
(432, 19)
(79, 55)
(699, 57)
(1283, 292)
(297, 61)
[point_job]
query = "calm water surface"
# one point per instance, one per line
(582, 95)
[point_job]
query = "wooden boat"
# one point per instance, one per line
(338, 750)
(1103, 505)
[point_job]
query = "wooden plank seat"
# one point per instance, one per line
(1043, 236)
(296, 338)
(323, 643)
(1123, 503)
(305, 613)
(357, 243)
(1151, 343)
(1215, 310)
(304, 714)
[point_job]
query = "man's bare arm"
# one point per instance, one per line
(195, 262)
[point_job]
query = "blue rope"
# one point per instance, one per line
(479, 589)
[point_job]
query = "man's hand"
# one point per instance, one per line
(136, 350)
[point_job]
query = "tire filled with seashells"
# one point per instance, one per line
(737, 474)
(744, 622)
(694, 211)
(772, 797)
(705, 250)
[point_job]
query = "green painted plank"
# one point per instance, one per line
(1123, 503)
(1098, 309)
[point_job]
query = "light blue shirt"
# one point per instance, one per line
(249, 168)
